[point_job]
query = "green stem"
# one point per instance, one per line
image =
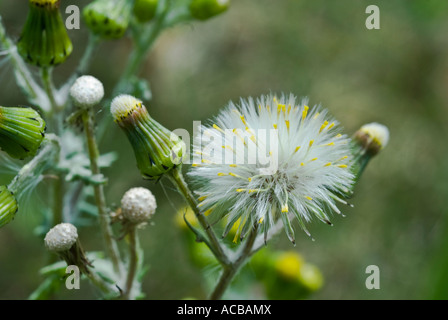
(177, 179)
(143, 44)
(45, 158)
(105, 287)
(23, 76)
(58, 200)
(231, 269)
(133, 262)
(83, 66)
(111, 245)
(46, 75)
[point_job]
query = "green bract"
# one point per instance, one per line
(44, 40)
(156, 148)
(108, 19)
(8, 206)
(145, 10)
(21, 131)
(205, 9)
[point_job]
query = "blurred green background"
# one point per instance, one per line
(397, 75)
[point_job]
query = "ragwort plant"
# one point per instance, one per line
(247, 185)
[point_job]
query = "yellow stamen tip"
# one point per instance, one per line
(304, 112)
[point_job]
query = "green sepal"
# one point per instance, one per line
(109, 19)
(44, 41)
(8, 206)
(157, 150)
(21, 131)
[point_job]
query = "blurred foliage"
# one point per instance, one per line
(397, 75)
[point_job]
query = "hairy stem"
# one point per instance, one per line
(178, 180)
(133, 262)
(105, 287)
(231, 270)
(23, 76)
(32, 171)
(46, 75)
(144, 41)
(100, 199)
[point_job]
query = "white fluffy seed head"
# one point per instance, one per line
(377, 132)
(87, 91)
(138, 205)
(268, 159)
(61, 237)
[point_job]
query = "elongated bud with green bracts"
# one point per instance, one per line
(21, 131)
(156, 149)
(206, 9)
(368, 141)
(63, 240)
(145, 10)
(8, 206)
(108, 19)
(44, 40)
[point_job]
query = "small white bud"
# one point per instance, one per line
(138, 205)
(61, 237)
(377, 132)
(87, 91)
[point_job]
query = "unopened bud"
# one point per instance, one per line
(206, 9)
(372, 137)
(145, 10)
(108, 19)
(44, 41)
(156, 149)
(8, 206)
(21, 131)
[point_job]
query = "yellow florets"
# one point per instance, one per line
(124, 105)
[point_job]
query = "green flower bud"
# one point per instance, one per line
(44, 40)
(8, 206)
(368, 141)
(156, 149)
(145, 10)
(205, 9)
(21, 131)
(108, 19)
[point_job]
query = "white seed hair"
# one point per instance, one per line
(138, 205)
(377, 131)
(87, 91)
(122, 105)
(312, 164)
(61, 237)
